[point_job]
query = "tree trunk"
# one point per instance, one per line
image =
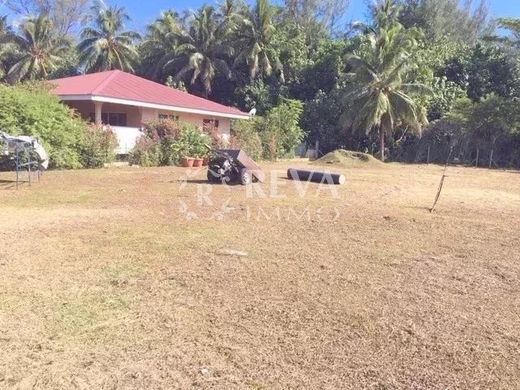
(382, 143)
(492, 153)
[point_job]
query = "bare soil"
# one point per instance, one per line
(133, 278)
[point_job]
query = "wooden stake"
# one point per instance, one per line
(442, 182)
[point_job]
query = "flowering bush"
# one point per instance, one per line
(98, 147)
(166, 142)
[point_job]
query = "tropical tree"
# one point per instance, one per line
(513, 26)
(39, 49)
(160, 44)
(105, 45)
(66, 15)
(511, 40)
(202, 50)
(5, 52)
(460, 21)
(312, 13)
(255, 35)
(378, 98)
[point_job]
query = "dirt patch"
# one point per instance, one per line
(124, 278)
(348, 159)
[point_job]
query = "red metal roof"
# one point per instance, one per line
(121, 85)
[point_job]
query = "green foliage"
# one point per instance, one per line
(167, 142)
(201, 50)
(105, 45)
(260, 95)
(244, 135)
(272, 136)
(489, 126)
(29, 109)
(513, 26)
(378, 97)
(485, 70)
(39, 49)
(8, 50)
(321, 119)
(99, 146)
(159, 46)
(191, 143)
(280, 130)
(146, 152)
(456, 20)
(489, 119)
(255, 40)
(290, 45)
(322, 71)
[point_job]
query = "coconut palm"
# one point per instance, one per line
(255, 34)
(511, 40)
(379, 97)
(39, 49)
(5, 33)
(105, 45)
(160, 44)
(202, 50)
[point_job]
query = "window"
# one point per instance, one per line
(110, 118)
(210, 123)
(169, 116)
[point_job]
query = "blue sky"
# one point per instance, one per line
(143, 12)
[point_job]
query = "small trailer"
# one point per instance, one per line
(232, 166)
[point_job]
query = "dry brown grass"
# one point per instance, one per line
(105, 284)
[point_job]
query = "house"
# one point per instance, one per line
(125, 101)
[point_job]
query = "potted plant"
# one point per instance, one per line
(188, 162)
(181, 152)
(191, 147)
(197, 162)
(199, 148)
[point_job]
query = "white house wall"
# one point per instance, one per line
(224, 123)
(137, 116)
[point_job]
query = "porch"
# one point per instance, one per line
(127, 120)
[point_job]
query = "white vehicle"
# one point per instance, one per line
(15, 145)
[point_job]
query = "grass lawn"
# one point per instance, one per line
(123, 278)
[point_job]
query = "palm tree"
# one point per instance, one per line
(202, 50)
(5, 33)
(160, 44)
(105, 46)
(379, 98)
(512, 40)
(255, 34)
(39, 49)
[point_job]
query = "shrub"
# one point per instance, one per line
(30, 109)
(215, 138)
(99, 146)
(166, 142)
(281, 132)
(275, 135)
(244, 135)
(146, 152)
(191, 142)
